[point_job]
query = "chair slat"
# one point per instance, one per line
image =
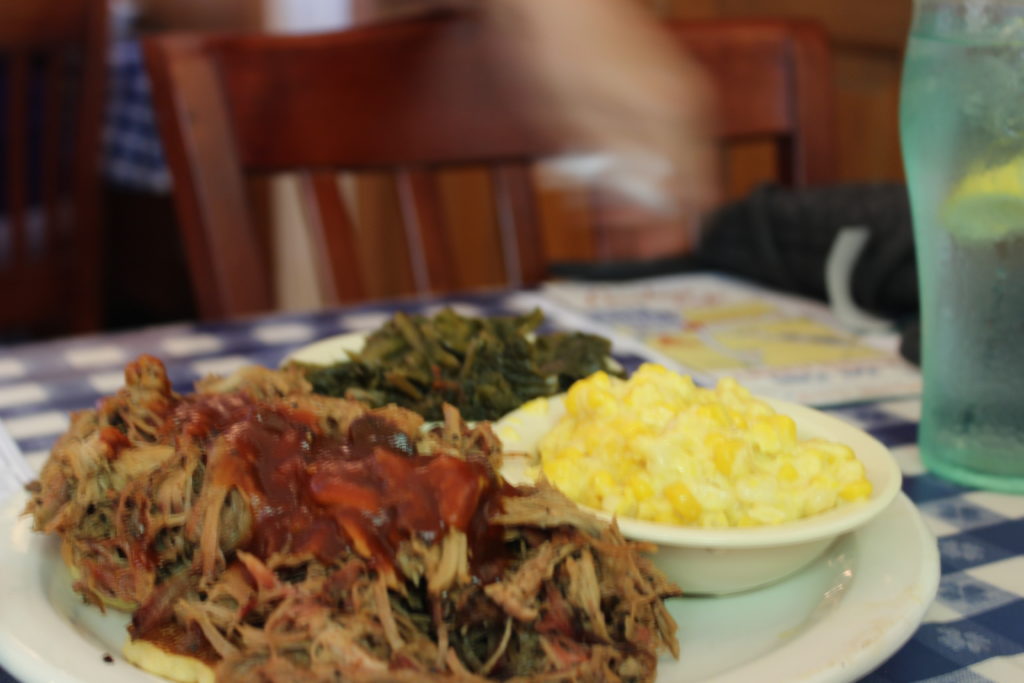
(334, 238)
(429, 250)
(223, 259)
(522, 239)
(17, 156)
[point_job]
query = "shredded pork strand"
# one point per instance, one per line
(150, 523)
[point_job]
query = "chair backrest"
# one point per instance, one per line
(774, 81)
(410, 98)
(52, 76)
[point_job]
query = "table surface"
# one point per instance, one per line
(973, 632)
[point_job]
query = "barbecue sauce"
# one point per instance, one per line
(313, 493)
(321, 494)
(309, 492)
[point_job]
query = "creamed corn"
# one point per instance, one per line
(659, 448)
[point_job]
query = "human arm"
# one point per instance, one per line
(606, 81)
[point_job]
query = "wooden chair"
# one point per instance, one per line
(52, 75)
(413, 98)
(773, 80)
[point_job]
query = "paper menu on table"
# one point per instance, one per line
(713, 326)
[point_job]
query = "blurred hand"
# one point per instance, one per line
(604, 77)
(623, 229)
(604, 80)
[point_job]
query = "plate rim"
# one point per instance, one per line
(902, 624)
(345, 340)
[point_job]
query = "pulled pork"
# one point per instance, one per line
(279, 535)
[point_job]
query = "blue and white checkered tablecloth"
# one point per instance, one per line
(973, 632)
(133, 155)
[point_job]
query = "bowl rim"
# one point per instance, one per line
(880, 467)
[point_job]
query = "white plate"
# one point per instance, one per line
(329, 350)
(835, 620)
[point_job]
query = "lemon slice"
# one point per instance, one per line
(988, 204)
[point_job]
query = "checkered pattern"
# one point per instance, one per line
(975, 629)
(132, 154)
(973, 632)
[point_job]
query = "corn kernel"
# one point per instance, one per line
(631, 429)
(603, 483)
(786, 428)
(850, 471)
(833, 452)
(641, 488)
(858, 490)
(724, 454)
(774, 432)
(788, 473)
(738, 419)
(713, 413)
(565, 476)
(682, 501)
(808, 464)
(595, 440)
(599, 401)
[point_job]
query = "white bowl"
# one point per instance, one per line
(720, 561)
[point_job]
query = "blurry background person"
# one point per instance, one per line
(604, 79)
(597, 74)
